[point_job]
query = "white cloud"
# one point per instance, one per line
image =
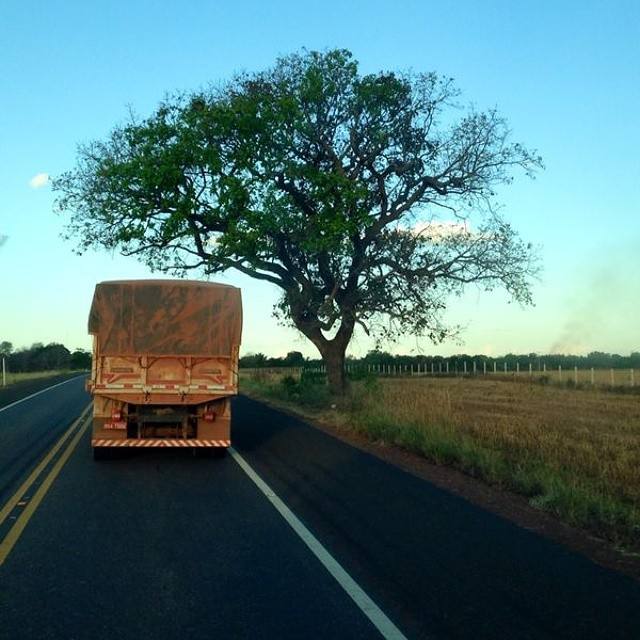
(440, 229)
(39, 180)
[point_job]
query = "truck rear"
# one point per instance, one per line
(165, 364)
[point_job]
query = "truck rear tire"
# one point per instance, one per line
(209, 452)
(101, 453)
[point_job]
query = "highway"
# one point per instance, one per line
(294, 534)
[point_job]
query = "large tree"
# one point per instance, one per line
(367, 199)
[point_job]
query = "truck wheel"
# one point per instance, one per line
(101, 453)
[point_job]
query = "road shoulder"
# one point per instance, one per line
(20, 390)
(508, 505)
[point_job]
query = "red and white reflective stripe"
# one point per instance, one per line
(206, 386)
(171, 388)
(158, 442)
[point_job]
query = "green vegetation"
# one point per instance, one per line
(576, 455)
(12, 378)
(43, 359)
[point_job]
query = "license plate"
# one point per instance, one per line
(115, 425)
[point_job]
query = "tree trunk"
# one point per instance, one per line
(332, 351)
(333, 356)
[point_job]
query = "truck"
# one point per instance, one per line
(165, 364)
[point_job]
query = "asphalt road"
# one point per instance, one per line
(159, 544)
(29, 429)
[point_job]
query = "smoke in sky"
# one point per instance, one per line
(602, 312)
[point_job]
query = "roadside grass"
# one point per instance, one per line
(575, 453)
(12, 378)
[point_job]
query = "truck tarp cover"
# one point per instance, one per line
(166, 317)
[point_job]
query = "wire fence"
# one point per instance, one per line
(521, 371)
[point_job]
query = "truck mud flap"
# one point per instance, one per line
(158, 442)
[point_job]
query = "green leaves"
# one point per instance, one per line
(312, 176)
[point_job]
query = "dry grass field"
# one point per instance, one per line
(12, 378)
(574, 452)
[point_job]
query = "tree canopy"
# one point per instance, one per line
(368, 199)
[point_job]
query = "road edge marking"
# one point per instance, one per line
(370, 609)
(13, 501)
(16, 530)
(37, 393)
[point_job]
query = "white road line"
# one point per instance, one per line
(370, 609)
(37, 393)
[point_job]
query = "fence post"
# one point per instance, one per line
(518, 367)
(465, 367)
(505, 366)
(495, 366)
(544, 368)
(530, 370)
(575, 375)
(593, 377)
(484, 367)
(4, 372)
(559, 373)
(475, 368)
(611, 376)
(631, 379)
(447, 366)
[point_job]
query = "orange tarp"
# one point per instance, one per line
(166, 317)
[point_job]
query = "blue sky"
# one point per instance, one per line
(567, 78)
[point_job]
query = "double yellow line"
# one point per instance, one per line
(16, 530)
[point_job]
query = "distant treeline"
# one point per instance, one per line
(595, 359)
(40, 357)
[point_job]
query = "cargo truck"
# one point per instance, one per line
(165, 364)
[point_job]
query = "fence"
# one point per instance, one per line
(573, 375)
